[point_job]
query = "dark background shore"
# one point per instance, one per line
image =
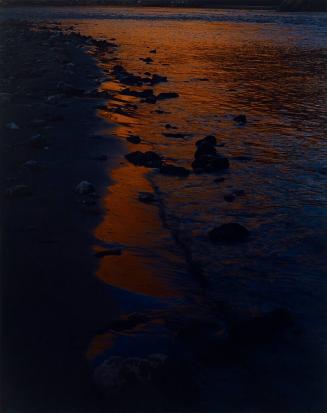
(51, 302)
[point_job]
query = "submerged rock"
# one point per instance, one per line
(229, 233)
(84, 188)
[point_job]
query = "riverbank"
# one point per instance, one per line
(51, 140)
(238, 326)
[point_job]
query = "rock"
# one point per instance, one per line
(12, 126)
(177, 135)
(157, 79)
(136, 158)
(134, 139)
(105, 253)
(84, 188)
(150, 99)
(209, 163)
(167, 95)
(242, 158)
(169, 126)
(146, 59)
(229, 233)
(148, 159)
(33, 165)
(152, 160)
(37, 141)
(18, 191)
(119, 373)
(173, 170)
(153, 51)
(147, 197)
(209, 140)
(229, 197)
(240, 119)
(218, 180)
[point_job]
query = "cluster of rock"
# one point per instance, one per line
(206, 158)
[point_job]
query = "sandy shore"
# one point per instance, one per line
(51, 302)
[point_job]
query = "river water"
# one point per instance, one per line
(272, 68)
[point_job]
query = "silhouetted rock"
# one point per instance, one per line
(149, 159)
(146, 59)
(173, 170)
(240, 119)
(105, 253)
(229, 197)
(210, 163)
(116, 374)
(84, 188)
(209, 140)
(157, 79)
(167, 95)
(134, 139)
(229, 233)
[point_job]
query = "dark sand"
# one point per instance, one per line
(52, 304)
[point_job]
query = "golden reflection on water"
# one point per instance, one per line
(219, 70)
(137, 227)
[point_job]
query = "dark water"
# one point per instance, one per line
(221, 64)
(269, 66)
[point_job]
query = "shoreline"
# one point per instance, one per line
(52, 303)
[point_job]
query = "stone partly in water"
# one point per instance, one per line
(105, 253)
(148, 159)
(167, 95)
(118, 373)
(85, 188)
(229, 233)
(206, 158)
(134, 139)
(173, 170)
(240, 119)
